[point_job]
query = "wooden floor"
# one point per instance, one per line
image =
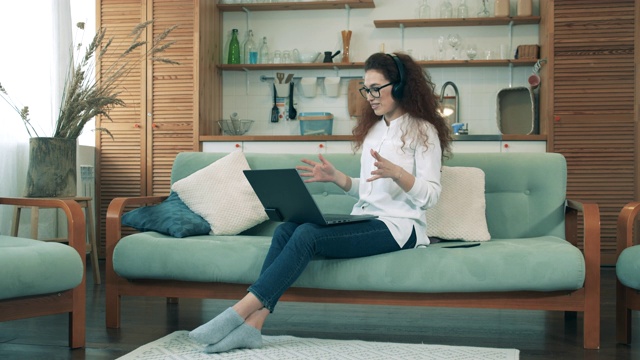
(537, 334)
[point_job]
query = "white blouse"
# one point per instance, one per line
(401, 211)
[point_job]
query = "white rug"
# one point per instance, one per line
(178, 346)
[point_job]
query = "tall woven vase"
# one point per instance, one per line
(52, 167)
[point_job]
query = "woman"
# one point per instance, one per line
(402, 137)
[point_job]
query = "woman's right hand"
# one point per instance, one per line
(322, 171)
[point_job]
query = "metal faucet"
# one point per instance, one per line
(455, 89)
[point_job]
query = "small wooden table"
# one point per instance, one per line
(85, 203)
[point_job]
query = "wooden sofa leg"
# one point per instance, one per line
(112, 311)
(78, 317)
(591, 328)
(623, 316)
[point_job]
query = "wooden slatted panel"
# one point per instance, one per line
(173, 90)
(593, 101)
(119, 160)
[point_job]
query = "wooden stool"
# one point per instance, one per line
(85, 203)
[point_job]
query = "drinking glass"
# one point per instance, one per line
(440, 47)
(454, 42)
(472, 51)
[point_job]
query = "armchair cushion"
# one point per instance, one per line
(628, 267)
(32, 267)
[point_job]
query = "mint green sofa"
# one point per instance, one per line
(531, 261)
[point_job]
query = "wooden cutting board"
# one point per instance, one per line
(355, 101)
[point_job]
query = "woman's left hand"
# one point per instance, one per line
(385, 168)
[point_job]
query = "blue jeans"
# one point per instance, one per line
(294, 245)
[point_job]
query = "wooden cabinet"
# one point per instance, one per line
(589, 94)
(165, 104)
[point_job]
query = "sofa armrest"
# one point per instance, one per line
(591, 227)
(116, 209)
(76, 226)
(625, 225)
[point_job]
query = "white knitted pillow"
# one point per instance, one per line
(222, 195)
(460, 211)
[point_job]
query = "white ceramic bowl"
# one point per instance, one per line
(309, 56)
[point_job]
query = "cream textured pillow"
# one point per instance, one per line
(221, 194)
(460, 211)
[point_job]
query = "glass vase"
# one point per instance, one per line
(346, 43)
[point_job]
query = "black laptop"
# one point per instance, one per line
(285, 197)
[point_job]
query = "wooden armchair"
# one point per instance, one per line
(628, 279)
(18, 302)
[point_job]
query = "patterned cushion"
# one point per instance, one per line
(222, 195)
(171, 217)
(460, 211)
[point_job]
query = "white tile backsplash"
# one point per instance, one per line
(319, 30)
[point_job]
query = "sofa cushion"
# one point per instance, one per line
(545, 263)
(628, 267)
(222, 195)
(171, 217)
(33, 267)
(460, 211)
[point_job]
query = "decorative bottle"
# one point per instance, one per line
(234, 48)
(424, 10)
(524, 8)
(446, 10)
(264, 52)
(501, 8)
(463, 9)
(250, 50)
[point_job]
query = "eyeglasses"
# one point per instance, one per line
(374, 91)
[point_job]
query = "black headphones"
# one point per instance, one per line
(398, 88)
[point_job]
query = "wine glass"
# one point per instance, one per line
(472, 51)
(454, 42)
(440, 47)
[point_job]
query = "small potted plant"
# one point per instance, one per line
(52, 159)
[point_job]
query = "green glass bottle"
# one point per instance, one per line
(234, 49)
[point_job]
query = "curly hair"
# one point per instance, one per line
(419, 100)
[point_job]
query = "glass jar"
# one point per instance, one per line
(446, 10)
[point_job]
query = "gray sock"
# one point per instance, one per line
(243, 337)
(217, 328)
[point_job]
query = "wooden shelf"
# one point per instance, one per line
(205, 138)
(360, 65)
(489, 21)
(305, 5)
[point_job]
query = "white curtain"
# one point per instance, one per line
(35, 42)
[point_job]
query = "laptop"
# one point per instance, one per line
(285, 197)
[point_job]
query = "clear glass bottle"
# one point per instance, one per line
(250, 50)
(234, 48)
(424, 10)
(463, 9)
(264, 52)
(446, 10)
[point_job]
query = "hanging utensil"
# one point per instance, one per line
(280, 77)
(274, 109)
(288, 79)
(292, 111)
